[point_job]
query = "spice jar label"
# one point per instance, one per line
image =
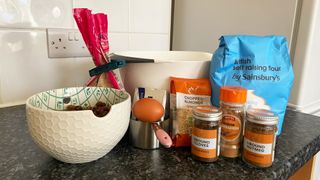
(258, 147)
(204, 143)
(230, 127)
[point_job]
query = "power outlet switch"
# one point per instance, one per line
(66, 43)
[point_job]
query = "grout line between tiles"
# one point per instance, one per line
(129, 25)
(22, 29)
(129, 15)
(148, 33)
(44, 29)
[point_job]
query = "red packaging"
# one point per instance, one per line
(94, 30)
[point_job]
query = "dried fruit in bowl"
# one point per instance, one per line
(100, 109)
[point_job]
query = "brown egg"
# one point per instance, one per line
(148, 110)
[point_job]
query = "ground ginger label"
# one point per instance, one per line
(204, 143)
(258, 148)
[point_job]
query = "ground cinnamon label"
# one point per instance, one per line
(232, 103)
(231, 127)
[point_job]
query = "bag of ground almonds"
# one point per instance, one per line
(261, 64)
(184, 95)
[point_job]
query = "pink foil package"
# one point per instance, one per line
(94, 30)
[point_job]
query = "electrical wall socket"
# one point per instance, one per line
(65, 43)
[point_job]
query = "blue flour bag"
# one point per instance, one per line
(259, 63)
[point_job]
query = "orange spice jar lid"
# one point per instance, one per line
(233, 94)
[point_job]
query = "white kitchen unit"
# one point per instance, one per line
(305, 95)
(197, 25)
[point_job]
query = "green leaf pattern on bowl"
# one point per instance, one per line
(83, 96)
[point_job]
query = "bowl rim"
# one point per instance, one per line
(167, 56)
(28, 105)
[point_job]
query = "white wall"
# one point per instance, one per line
(199, 24)
(25, 68)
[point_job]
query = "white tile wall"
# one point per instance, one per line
(25, 68)
(148, 41)
(36, 13)
(119, 41)
(117, 10)
(150, 16)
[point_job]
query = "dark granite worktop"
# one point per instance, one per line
(20, 158)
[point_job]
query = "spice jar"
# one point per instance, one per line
(259, 137)
(232, 104)
(205, 133)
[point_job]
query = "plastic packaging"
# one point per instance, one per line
(94, 30)
(185, 94)
(261, 64)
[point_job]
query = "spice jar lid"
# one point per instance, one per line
(207, 113)
(262, 116)
(233, 94)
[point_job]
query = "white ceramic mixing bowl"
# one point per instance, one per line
(77, 136)
(185, 64)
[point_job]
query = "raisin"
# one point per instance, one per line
(100, 109)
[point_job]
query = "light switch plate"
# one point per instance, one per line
(66, 43)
